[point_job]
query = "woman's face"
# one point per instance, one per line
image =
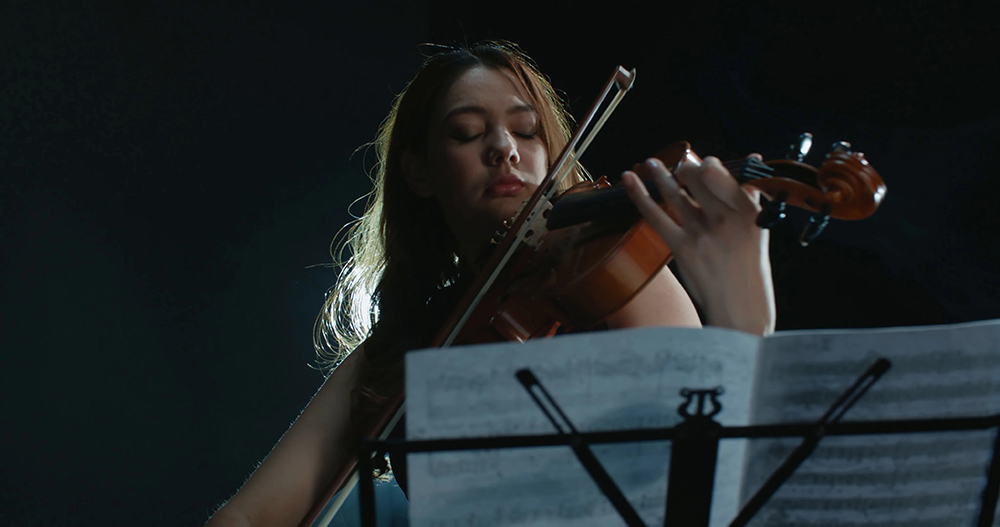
(485, 155)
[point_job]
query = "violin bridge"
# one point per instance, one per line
(536, 229)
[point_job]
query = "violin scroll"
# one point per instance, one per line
(853, 188)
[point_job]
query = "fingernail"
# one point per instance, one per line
(653, 162)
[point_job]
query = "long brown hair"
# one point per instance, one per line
(401, 251)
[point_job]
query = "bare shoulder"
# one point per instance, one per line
(663, 302)
(298, 469)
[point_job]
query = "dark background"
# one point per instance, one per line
(172, 175)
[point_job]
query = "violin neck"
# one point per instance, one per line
(613, 202)
(581, 207)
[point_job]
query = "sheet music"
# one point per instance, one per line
(914, 480)
(603, 381)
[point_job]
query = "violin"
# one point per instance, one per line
(570, 261)
(593, 252)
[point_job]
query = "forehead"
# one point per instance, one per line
(486, 88)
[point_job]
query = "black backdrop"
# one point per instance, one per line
(171, 173)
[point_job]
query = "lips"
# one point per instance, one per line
(505, 185)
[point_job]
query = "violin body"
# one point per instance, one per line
(576, 278)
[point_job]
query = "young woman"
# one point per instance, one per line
(465, 144)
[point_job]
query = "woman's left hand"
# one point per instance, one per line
(711, 228)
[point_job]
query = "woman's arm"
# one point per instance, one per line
(721, 253)
(295, 474)
(663, 302)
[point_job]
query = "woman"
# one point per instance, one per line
(464, 145)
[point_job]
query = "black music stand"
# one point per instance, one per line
(694, 451)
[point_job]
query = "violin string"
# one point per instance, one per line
(748, 169)
(755, 174)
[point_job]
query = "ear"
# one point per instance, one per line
(416, 175)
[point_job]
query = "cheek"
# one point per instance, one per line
(536, 159)
(460, 168)
(456, 173)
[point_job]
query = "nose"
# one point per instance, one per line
(503, 148)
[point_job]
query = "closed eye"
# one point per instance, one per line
(466, 138)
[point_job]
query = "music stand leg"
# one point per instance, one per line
(988, 509)
(366, 490)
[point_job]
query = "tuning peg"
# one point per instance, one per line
(841, 146)
(797, 151)
(817, 223)
(771, 213)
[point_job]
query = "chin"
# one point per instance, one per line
(512, 204)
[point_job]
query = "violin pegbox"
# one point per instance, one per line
(772, 213)
(845, 187)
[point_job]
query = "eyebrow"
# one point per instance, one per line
(520, 108)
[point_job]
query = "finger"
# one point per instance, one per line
(753, 194)
(753, 198)
(718, 182)
(678, 201)
(711, 207)
(706, 184)
(650, 210)
(653, 168)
